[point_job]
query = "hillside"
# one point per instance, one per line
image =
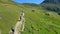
(52, 1)
(39, 21)
(52, 5)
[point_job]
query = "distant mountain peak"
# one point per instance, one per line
(52, 5)
(52, 1)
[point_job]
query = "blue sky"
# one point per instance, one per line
(29, 1)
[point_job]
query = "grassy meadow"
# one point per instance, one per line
(38, 22)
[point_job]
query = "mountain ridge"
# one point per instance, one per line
(52, 5)
(52, 1)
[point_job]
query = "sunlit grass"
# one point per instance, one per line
(37, 22)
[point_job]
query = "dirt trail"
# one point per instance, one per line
(0, 31)
(20, 25)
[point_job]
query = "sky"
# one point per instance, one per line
(29, 1)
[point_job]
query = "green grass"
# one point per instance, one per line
(44, 23)
(9, 15)
(36, 22)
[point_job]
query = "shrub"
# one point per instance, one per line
(47, 14)
(33, 10)
(58, 13)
